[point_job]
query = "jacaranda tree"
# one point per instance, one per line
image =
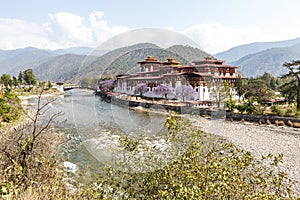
(107, 86)
(185, 92)
(140, 89)
(164, 90)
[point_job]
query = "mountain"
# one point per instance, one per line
(75, 50)
(188, 53)
(71, 67)
(127, 63)
(61, 68)
(14, 61)
(269, 60)
(238, 52)
(94, 66)
(161, 37)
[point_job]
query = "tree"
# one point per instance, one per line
(29, 77)
(49, 84)
(240, 86)
(90, 82)
(15, 81)
(185, 92)
(289, 90)
(294, 73)
(140, 89)
(220, 92)
(107, 86)
(6, 80)
(257, 90)
(270, 80)
(164, 90)
(20, 77)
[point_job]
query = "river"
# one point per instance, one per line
(93, 127)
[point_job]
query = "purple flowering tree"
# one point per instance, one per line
(164, 90)
(107, 86)
(140, 89)
(185, 92)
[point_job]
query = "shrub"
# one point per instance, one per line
(230, 104)
(28, 168)
(276, 109)
(241, 108)
(288, 112)
(10, 107)
(207, 168)
(250, 108)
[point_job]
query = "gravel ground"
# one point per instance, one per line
(260, 140)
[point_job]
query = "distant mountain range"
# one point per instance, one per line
(124, 60)
(258, 58)
(73, 64)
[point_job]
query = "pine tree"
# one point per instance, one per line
(294, 73)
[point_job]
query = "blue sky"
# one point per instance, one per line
(215, 25)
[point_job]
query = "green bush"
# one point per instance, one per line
(241, 108)
(276, 109)
(289, 112)
(230, 104)
(10, 107)
(246, 107)
(205, 167)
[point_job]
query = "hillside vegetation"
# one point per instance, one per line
(270, 60)
(60, 68)
(188, 53)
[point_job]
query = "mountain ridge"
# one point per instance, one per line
(237, 52)
(269, 60)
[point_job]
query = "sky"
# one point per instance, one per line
(216, 25)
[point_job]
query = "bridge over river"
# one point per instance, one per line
(65, 87)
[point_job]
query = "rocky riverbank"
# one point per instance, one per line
(260, 140)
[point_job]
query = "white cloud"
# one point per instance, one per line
(61, 31)
(64, 30)
(16, 33)
(67, 29)
(214, 37)
(101, 30)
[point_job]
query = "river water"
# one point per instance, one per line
(93, 127)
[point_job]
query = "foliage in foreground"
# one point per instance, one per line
(10, 107)
(205, 168)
